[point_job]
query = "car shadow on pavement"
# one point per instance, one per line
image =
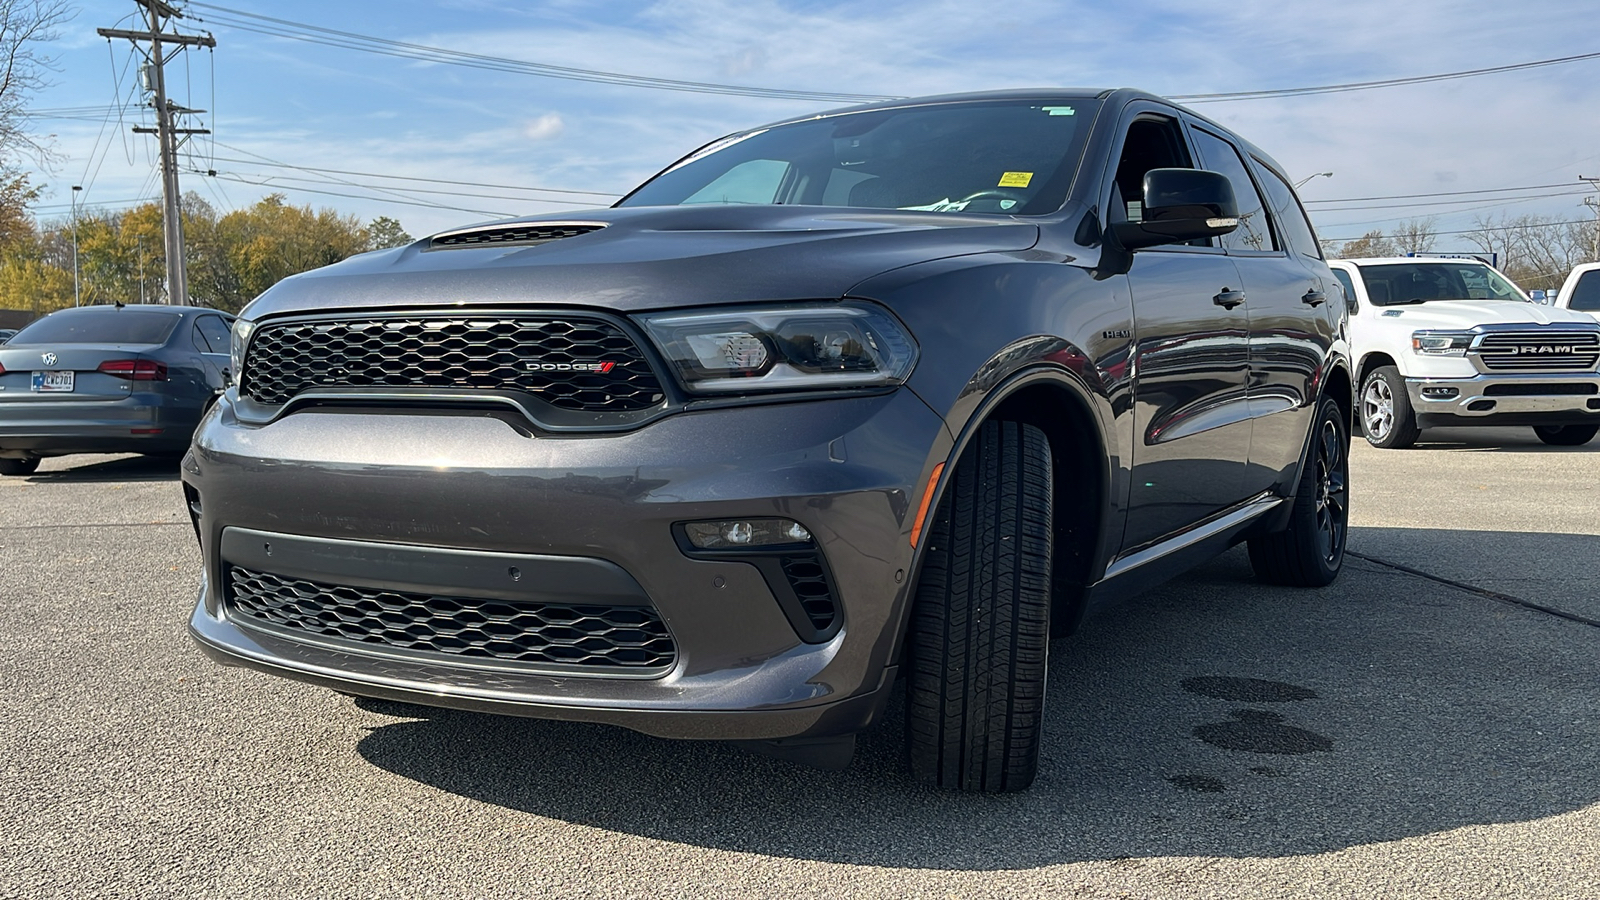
(122, 468)
(1214, 716)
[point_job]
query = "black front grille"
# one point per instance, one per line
(1540, 351)
(1539, 390)
(616, 638)
(524, 235)
(571, 363)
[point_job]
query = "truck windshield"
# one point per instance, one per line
(1398, 283)
(996, 157)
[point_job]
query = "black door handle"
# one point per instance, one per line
(1229, 298)
(1314, 297)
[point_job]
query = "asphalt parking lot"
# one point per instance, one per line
(1425, 727)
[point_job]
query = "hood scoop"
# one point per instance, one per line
(528, 234)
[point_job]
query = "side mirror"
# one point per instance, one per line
(1181, 205)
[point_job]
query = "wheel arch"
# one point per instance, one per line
(1057, 403)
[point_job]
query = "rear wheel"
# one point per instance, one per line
(1566, 435)
(25, 466)
(1387, 420)
(1310, 551)
(980, 623)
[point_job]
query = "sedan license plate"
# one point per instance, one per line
(48, 382)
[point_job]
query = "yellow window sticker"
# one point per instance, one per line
(1016, 179)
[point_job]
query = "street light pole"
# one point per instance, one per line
(1297, 184)
(77, 297)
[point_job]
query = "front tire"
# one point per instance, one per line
(1387, 420)
(1310, 552)
(980, 622)
(25, 466)
(1566, 435)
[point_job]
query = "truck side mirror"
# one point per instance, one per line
(1181, 205)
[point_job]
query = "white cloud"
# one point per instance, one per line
(545, 127)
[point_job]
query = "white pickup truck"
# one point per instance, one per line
(1581, 290)
(1442, 341)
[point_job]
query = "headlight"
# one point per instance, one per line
(1442, 343)
(814, 346)
(237, 344)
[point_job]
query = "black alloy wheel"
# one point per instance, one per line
(1310, 552)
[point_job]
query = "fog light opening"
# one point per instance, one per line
(742, 533)
(1440, 393)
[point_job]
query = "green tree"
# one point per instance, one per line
(384, 233)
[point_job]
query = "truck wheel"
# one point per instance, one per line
(1566, 435)
(980, 622)
(25, 466)
(1310, 551)
(1386, 417)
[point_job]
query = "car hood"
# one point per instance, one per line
(1463, 314)
(654, 258)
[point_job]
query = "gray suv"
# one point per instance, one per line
(879, 397)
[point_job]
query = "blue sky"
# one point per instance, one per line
(276, 102)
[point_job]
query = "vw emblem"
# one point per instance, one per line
(49, 359)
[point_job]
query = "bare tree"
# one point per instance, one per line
(24, 26)
(1414, 236)
(1536, 251)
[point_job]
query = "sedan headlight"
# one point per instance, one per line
(812, 346)
(237, 345)
(1442, 343)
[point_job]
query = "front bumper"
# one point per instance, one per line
(850, 470)
(1506, 399)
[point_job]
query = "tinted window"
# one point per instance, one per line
(1397, 283)
(1586, 293)
(1350, 301)
(1289, 215)
(1005, 157)
(215, 329)
(100, 326)
(1253, 232)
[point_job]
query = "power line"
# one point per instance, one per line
(1372, 85)
(270, 179)
(315, 34)
(511, 187)
(1526, 187)
(482, 212)
(1478, 230)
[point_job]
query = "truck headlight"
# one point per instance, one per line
(1442, 343)
(238, 343)
(790, 347)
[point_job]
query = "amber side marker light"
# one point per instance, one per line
(927, 498)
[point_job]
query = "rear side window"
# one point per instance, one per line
(1287, 211)
(214, 329)
(1253, 233)
(1350, 301)
(1586, 293)
(100, 326)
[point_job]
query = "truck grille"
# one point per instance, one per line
(1539, 351)
(598, 638)
(571, 363)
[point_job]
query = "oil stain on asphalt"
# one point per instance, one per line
(1250, 730)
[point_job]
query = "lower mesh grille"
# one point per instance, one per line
(618, 638)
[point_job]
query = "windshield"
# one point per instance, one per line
(99, 326)
(997, 157)
(1393, 285)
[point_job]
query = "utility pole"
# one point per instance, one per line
(77, 297)
(1594, 204)
(157, 12)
